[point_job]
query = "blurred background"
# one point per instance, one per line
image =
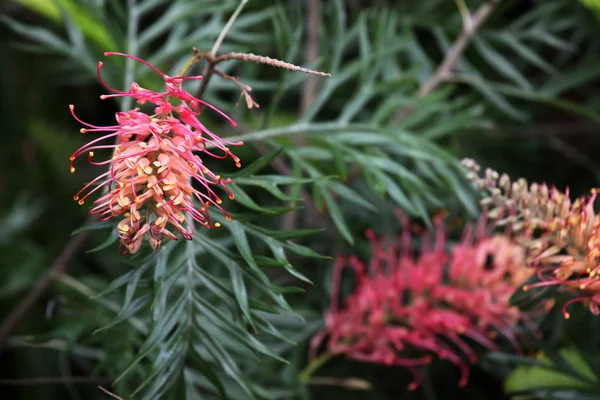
(522, 97)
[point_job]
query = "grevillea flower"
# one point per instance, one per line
(155, 159)
(406, 309)
(562, 238)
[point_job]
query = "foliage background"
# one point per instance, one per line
(524, 99)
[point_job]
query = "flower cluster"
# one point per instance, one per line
(406, 310)
(149, 176)
(562, 238)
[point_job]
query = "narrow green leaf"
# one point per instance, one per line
(239, 289)
(337, 216)
(94, 227)
(257, 165)
(241, 241)
(132, 308)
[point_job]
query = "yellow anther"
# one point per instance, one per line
(228, 218)
(219, 201)
(231, 197)
(91, 154)
(102, 97)
(72, 158)
(80, 202)
(525, 288)
(75, 197)
(217, 225)
(72, 169)
(83, 130)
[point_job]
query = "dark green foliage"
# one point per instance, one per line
(231, 313)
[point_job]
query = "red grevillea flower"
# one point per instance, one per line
(155, 160)
(406, 310)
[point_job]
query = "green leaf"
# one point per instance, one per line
(112, 238)
(337, 216)
(545, 374)
(132, 308)
(94, 227)
(257, 165)
(83, 17)
(239, 290)
(241, 241)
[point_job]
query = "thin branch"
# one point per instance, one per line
(66, 380)
(250, 57)
(471, 22)
(346, 383)
(244, 88)
(57, 344)
(58, 268)
(114, 396)
(208, 70)
(574, 154)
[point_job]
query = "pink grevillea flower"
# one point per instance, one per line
(155, 159)
(406, 310)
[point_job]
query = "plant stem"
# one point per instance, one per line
(208, 70)
(313, 366)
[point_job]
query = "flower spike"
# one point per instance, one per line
(154, 160)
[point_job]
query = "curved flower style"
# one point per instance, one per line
(406, 310)
(149, 176)
(562, 238)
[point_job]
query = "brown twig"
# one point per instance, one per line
(213, 60)
(114, 396)
(471, 22)
(58, 267)
(244, 88)
(67, 380)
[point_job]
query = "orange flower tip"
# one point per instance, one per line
(238, 165)
(198, 138)
(121, 184)
(525, 288)
(72, 107)
(567, 315)
(231, 197)
(80, 202)
(83, 130)
(75, 197)
(219, 201)
(217, 225)
(72, 170)
(582, 286)
(207, 204)
(228, 218)
(72, 158)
